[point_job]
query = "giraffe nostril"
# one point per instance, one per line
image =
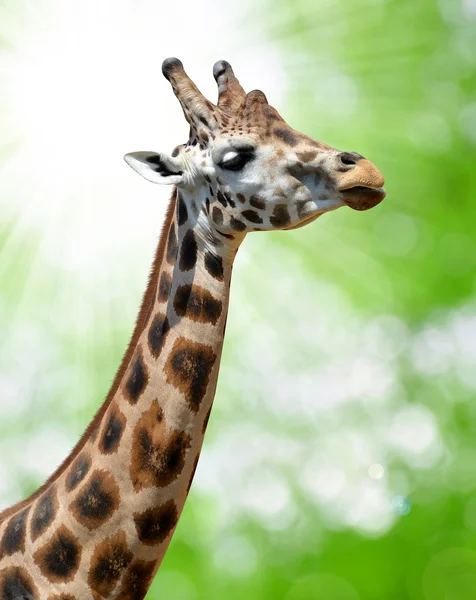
(348, 159)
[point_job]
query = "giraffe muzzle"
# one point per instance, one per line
(360, 182)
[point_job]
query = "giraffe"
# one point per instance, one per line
(101, 524)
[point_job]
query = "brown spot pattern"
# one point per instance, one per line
(137, 580)
(13, 539)
(113, 430)
(172, 246)
(236, 224)
(280, 216)
(97, 500)
(109, 561)
(78, 471)
(252, 216)
(220, 196)
(188, 251)
(44, 513)
(217, 215)
(137, 380)
(257, 202)
(157, 523)
(188, 369)
(165, 285)
(158, 457)
(214, 265)
(229, 199)
(287, 136)
(197, 304)
(16, 584)
(181, 209)
(157, 334)
(59, 559)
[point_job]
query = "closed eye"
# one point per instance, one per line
(235, 162)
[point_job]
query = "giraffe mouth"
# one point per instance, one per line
(363, 198)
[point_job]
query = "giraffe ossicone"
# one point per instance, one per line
(101, 524)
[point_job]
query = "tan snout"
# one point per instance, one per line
(359, 181)
(355, 170)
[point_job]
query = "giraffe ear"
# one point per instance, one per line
(158, 168)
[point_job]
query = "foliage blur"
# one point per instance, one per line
(340, 458)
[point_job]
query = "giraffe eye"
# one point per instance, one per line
(235, 162)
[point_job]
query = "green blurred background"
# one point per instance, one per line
(343, 466)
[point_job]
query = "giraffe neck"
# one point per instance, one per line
(116, 501)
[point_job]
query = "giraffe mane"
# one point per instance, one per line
(142, 317)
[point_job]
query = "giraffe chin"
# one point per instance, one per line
(306, 221)
(363, 198)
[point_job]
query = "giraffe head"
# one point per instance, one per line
(250, 170)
